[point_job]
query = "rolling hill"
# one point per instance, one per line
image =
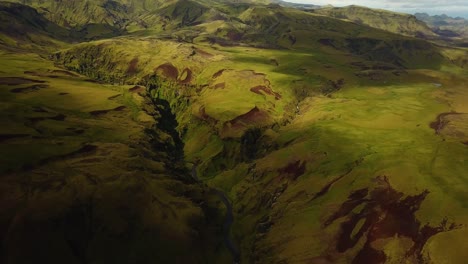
(220, 131)
(394, 22)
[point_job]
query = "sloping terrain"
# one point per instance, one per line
(22, 27)
(394, 22)
(90, 174)
(213, 131)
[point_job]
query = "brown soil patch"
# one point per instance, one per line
(293, 170)
(114, 97)
(234, 36)
(254, 116)
(205, 116)
(441, 122)
(168, 70)
(327, 42)
(220, 85)
(67, 73)
(132, 67)
(58, 117)
(5, 137)
(267, 90)
(93, 81)
(203, 53)
(218, 73)
(29, 89)
(17, 81)
(78, 131)
(188, 76)
(103, 112)
(48, 73)
(39, 109)
(136, 89)
(386, 213)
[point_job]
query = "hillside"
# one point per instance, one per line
(23, 27)
(218, 131)
(390, 21)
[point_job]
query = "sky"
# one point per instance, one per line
(432, 7)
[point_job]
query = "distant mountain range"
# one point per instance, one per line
(445, 25)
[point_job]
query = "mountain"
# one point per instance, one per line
(390, 21)
(23, 26)
(445, 25)
(215, 131)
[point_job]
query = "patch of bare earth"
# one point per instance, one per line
(98, 113)
(136, 89)
(18, 81)
(186, 76)
(29, 89)
(218, 73)
(441, 122)
(203, 53)
(220, 85)
(167, 70)
(293, 170)
(385, 213)
(133, 67)
(254, 117)
(267, 90)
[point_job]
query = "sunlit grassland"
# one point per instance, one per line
(31, 114)
(388, 128)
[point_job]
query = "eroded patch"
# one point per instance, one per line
(133, 67)
(57, 117)
(259, 89)
(17, 81)
(253, 116)
(103, 112)
(168, 70)
(218, 73)
(441, 122)
(186, 76)
(204, 116)
(29, 89)
(220, 85)
(52, 73)
(234, 35)
(136, 89)
(293, 170)
(386, 213)
(114, 97)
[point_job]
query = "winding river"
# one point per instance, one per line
(228, 220)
